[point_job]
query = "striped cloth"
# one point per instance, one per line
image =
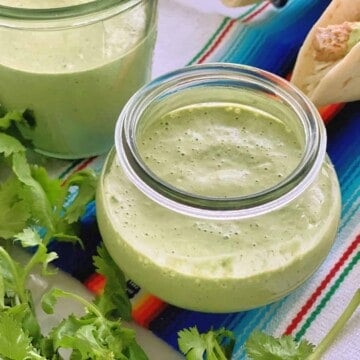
(270, 39)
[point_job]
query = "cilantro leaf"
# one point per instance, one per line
(29, 237)
(191, 343)
(91, 336)
(33, 194)
(114, 299)
(9, 145)
(11, 271)
(42, 257)
(85, 183)
(213, 345)
(15, 344)
(52, 187)
(14, 211)
(261, 346)
(11, 117)
(2, 293)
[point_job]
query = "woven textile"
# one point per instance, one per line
(268, 38)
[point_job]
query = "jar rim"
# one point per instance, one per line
(208, 207)
(29, 18)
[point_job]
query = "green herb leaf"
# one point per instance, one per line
(29, 237)
(15, 344)
(11, 271)
(52, 187)
(9, 145)
(261, 346)
(49, 300)
(213, 345)
(11, 117)
(192, 344)
(91, 336)
(114, 300)
(42, 257)
(85, 184)
(14, 211)
(33, 194)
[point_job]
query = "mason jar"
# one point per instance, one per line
(219, 195)
(73, 65)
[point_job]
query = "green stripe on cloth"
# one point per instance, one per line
(223, 24)
(327, 297)
(253, 11)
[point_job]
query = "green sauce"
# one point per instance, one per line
(75, 80)
(218, 150)
(221, 150)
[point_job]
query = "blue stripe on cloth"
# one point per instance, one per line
(344, 151)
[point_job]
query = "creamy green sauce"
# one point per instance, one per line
(218, 150)
(222, 150)
(75, 80)
(42, 4)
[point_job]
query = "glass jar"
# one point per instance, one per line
(74, 65)
(219, 196)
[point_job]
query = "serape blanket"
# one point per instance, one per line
(268, 38)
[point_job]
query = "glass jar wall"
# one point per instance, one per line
(219, 196)
(74, 66)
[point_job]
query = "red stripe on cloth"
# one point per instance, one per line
(217, 42)
(255, 13)
(148, 310)
(331, 274)
(85, 163)
(328, 112)
(95, 283)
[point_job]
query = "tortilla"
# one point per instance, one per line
(333, 80)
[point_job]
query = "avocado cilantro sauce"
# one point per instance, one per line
(219, 150)
(75, 79)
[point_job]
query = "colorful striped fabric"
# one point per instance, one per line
(269, 39)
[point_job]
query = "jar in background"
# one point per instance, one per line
(74, 65)
(219, 196)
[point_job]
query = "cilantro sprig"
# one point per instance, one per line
(94, 335)
(36, 209)
(260, 346)
(213, 345)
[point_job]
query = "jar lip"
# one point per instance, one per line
(212, 207)
(29, 17)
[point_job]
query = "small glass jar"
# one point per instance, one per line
(74, 64)
(219, 196)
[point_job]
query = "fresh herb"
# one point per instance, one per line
(261, 346)
(213, 345)
(218, 345)
(92, 336)
(114, 301)
(36, 209)
(10, 121)
(8, 118)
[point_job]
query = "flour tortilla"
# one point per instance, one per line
(336, 81)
